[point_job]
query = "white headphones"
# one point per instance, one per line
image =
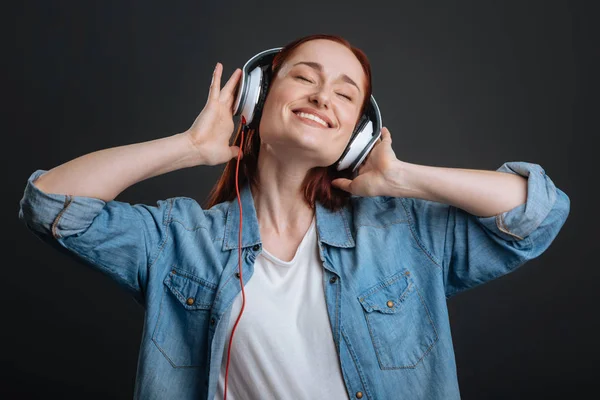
(252, 92)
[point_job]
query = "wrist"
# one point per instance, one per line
(191, 156)
(406, 181)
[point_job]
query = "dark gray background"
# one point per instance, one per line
(467, 84)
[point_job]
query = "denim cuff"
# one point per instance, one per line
(519, 222)
(56, 214)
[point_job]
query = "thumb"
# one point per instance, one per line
(386, 135)
(342, 183)
(235, 151)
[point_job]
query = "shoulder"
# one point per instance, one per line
(187, 212)
(378, 210)
(392, 210)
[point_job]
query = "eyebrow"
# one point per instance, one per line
(319, 67)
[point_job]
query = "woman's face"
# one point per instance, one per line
(321, 78)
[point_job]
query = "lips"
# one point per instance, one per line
(313, 112)
(310, 122)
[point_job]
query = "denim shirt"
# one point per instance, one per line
(389, 266)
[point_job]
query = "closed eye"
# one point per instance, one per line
(303, 78)
(308, 80)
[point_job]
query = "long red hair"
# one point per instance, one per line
(317, 183)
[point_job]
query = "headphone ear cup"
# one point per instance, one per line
(359, 147)
(362, 122)
(365, 135)
(264, 89)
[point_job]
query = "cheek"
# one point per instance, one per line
(268, 112)
(273, 104)
(350, 119)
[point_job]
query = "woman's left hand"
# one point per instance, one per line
(376, 176)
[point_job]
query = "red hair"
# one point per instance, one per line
(317, 183)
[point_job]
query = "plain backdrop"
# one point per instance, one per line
(466, 84)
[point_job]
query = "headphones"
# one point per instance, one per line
(252, 92)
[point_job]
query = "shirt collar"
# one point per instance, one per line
(333, 227)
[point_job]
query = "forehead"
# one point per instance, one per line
(336, 59)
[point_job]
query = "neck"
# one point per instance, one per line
(280, 205)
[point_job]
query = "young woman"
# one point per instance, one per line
(343, 278)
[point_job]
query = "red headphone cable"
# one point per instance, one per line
(239, 254)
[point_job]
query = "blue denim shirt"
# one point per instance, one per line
(389, 265)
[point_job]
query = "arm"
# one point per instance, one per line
(72, 207)
(472, 250)
(473, 225)
(105, 173)
(479, 192)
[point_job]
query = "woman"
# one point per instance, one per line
(346, 276)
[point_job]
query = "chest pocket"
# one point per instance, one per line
(181, 331)
(399, 322)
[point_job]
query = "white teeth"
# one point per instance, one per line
(313, 117)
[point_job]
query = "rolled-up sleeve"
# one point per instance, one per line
(519, 222)
(57, 215)
(472, 250)
(116, 238)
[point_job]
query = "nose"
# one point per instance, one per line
(321, 97)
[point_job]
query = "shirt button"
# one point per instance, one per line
(237, 274)
(190, 301)
(256, 247)
(212, 321)
(333, 279)
(359, 395)
(390, 304)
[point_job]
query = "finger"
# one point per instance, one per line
(215, 84)
(235, 152)
(342, 183)
(386, 135)
(229, 88)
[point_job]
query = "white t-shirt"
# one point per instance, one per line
(283, 347)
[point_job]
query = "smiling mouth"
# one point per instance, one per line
(310, 122)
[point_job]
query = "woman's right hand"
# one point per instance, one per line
(211, 131)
